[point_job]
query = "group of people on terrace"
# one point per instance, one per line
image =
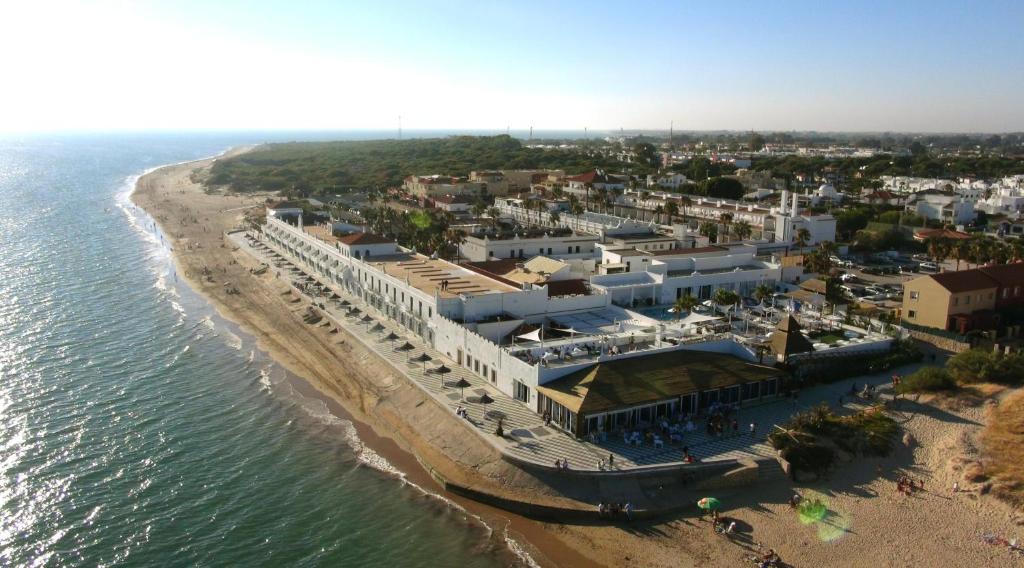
(574, 351)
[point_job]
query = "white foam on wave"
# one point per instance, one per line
(518, 549)
(233, 341)
(366, 456)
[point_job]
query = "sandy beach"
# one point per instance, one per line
(870, 523)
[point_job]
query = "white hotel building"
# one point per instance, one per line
(475, 319)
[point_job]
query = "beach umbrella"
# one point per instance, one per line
(344, 303)
(366, 319)
(442, 370)
(485, 400)
(377, 327)
(354, 312)
(407, 347)
(461, 384)
(335, 296)
(391, 337)
(709, 503)
(423, 358)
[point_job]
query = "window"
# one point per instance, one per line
(485, 370)
(912, 314)
(956, 301)
(549, 250)
(469, 361)
(520, 391)
(494, 376)
(1006, 293)
(967, 299)
(914, 295)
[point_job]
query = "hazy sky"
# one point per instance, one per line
(226, 64)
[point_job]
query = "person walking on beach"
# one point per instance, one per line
(611, 460)
(753, 429)
(628, 510)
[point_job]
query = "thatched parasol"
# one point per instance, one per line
(461, 384)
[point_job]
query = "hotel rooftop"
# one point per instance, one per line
(426, 274)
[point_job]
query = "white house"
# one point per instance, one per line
(945, 206)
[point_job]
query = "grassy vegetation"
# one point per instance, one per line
(927, 379)
(810, 438)
(305, 168)
(1003, 448)
(977, 366)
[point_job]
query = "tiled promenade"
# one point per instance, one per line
(526, 436)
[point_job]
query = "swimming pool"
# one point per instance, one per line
(660, 313)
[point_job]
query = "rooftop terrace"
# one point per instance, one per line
(425, 274)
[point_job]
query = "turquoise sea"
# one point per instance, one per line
(139, 429)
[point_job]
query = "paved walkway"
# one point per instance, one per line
(526, 436)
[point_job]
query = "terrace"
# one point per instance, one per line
(426, 274)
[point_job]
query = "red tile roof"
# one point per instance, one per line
(925, 234)
(964, 280)
(364, 239)
(1005, 274)
(594, 177)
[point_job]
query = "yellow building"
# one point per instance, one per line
(951, 301)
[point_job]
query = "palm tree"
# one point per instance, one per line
(828, 247)
(726, 220)
(478, 208)
(763, 292)
(725, 297)
(494, 213)
(802, 237)
(742, 230)
(658, 212)
(685, 202)
(979, 251)
(938, 248)
(1017, 250)
(709, 230)
(959, 251)
(672, 208)
(685, 303)
(554, 216)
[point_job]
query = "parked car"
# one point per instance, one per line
(848, 277)
(929, 267)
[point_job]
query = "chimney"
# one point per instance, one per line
(796, 205)
(782, 202)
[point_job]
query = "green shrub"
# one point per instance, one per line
(927, 379)
(810, 457)
(977, 366)
(807, 440)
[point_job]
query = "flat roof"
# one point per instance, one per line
(325, 234)
(425, 274)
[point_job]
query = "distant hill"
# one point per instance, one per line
(332, 167)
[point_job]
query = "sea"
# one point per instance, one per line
(138, 428)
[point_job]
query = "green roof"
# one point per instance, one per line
(626, 382)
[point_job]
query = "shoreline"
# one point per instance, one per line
(524, 538)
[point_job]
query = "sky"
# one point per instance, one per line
(934, 66)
